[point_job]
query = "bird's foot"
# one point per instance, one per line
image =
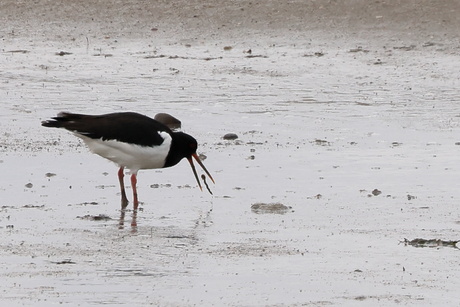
(124, 203)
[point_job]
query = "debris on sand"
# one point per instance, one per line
(67, 261)
(157, 185)
(250, 56)
(430, 243)
(100, 217)
(405, 48)
(62, 53)
(86, 203)
(105, 55)
(316, 54)
(272, 208)
(34, 206)
(320, 142)
(358, 49)
(174, 57)
(19, 51)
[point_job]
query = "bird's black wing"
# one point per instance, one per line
(128, 127)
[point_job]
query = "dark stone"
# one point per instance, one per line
(230, 136)
(168, 120)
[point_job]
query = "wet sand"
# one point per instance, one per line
(348, 122)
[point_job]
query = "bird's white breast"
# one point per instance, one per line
(132, 156)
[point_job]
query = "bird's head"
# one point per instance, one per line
(186, 146)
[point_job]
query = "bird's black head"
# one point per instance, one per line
(185, 146)
(182, 146)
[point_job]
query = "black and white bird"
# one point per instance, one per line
(131, 140)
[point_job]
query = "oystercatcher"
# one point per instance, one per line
(131, 140)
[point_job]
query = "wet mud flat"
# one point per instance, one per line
(336, 187)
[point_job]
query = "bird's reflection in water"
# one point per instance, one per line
(121, 222)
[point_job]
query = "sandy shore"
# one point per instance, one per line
(238, 21)
(348, 119)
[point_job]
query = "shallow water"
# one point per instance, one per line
(316, 133)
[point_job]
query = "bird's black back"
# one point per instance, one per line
(127, 127)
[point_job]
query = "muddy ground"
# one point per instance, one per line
(347, 115)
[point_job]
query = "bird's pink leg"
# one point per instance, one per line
(124, 199)
(133, 185)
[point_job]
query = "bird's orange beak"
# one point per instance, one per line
(202, 166)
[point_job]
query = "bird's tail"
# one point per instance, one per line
(62, 120)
